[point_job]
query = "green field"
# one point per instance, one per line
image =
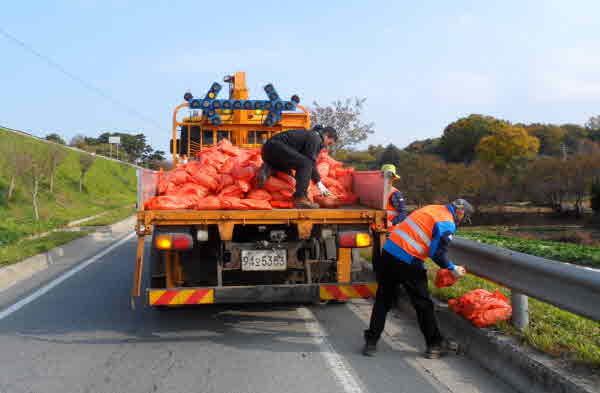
(565, 252)
(108, 185)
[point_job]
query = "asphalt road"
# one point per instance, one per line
(81, 336)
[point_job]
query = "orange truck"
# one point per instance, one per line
(239, 256)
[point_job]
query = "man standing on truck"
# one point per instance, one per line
(297, 150)
(425, 233)
(395, 207)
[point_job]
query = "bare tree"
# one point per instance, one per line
(85, 162)
(38, 168)
(17, 163)
(57, 155)
(345, 117)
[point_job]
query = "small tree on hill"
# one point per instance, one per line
(55, 138)
(17, 163)
(37, 169)
(85, 163)
(57, 155)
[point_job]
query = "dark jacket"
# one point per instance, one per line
(308, 143)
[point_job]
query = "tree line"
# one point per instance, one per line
(493, 161)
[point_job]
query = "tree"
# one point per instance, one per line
(391, 155)
(593, 123)
(551, 138)
(55, 138)
(460, 138)
(78, 141)
(38, 168)
(345, 117)
(426, 146)
(507, 145)
(85, 163)
(17, 163)
(56, 155)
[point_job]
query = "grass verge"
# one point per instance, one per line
(565, 252)
(27, 248)
(110, 218)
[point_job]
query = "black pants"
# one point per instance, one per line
(391, 273)
(281, 157)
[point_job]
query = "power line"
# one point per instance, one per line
(132, 111)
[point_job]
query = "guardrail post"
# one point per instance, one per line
(520, 310)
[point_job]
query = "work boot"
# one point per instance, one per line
(436, 351)
(304, 203)
(370, 348)
(263, 174)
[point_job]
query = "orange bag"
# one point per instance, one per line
(445, 278)
(208, 203)
(244, 173)
(274, 184)
(195, 189)
(256, 204)
(205, 180)
(323, 169)
(228, 166)
(278, 196)
(180, 176)
(167, 203)
(194, 167)
(226, 147)
(282, 205)
(225, 180)
(231, 191)
(260, 195)
(482, 308)
(232, 203)
(243, 185)
(328, 202)
(290, 180)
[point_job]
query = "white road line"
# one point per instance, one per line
(21, 303)
(342, 372)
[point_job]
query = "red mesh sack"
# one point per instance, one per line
(194, 167)
(323, 169)
(278, 196)
(243, 185)
(274, 184)
(260, 195)
(232, 203)
(482, 308)
(282, 204)
(194, 189)
(244, 173)
(228, 166)
(205, 180)
(332, 183)
(225, 180)
(226, 147)
(329, 202)
(208, 203)
(256, 204)
(167, 203)
(445, 278)
(290, 180)
(180, 176)
(231, 191)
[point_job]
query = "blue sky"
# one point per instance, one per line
(421, 65)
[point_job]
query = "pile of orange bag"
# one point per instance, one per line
(224, 177)
(482, 307)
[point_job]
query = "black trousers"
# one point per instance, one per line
(391, 273)
(281, 157)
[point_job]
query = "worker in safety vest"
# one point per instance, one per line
(425, 233)
(395, 208)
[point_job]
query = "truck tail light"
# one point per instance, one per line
(174, 241)
(354, 240)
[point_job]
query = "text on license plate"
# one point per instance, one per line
(264, 260)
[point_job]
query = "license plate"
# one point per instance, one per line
(264, 260)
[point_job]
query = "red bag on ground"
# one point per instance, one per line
(167, 203)
(209, 203)
(282, 205)
(260, 195)
(445, 278)
(482, 308)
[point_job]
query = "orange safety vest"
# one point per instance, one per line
(390, 209)
(415, 233)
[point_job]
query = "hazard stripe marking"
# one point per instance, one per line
(201, 296)
(344, 292)
(165, 298)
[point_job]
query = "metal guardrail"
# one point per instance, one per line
(67, 147)
(566, 286)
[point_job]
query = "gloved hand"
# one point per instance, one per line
(458, 271)
(323, 189)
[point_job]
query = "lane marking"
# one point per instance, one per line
(342, 372)
(57, 281)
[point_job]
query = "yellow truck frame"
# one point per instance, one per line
(320, 226)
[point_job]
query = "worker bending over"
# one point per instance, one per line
(297, 150)
(425, 233)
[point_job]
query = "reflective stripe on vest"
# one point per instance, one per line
(414, 234)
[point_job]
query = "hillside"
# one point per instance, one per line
(107, 185)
